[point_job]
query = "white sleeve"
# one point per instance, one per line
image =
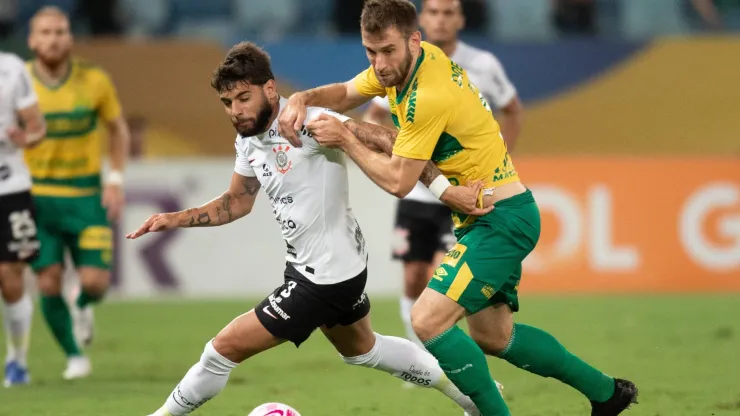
(242, 165)
(315, 112)
(382, 102)
(24, 95)
(502, 90)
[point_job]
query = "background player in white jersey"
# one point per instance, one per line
(326, 266)
(423, 229)
(21, 125)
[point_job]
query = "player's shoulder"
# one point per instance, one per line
(11, 62)
(91, 70)
(314, 112)
(479, 58)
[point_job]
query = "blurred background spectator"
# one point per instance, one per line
(496, 19)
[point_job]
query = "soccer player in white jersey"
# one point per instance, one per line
(326, 267)
(21, 126)
(423, 229)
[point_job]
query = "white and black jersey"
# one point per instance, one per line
(309, 192)
(16, 93)
(18, 232)
(326, 268)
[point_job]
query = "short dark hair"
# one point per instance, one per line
(379, 15)
(245, 62)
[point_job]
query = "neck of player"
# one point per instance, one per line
(447, 47)
(52, 75)
(414, 58)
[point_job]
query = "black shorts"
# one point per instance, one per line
(422, 229)
(295, 309)
(18, 234)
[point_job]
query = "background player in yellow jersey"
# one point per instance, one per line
(73, 206)
(443, 117)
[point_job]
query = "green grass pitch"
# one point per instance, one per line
(683, 352)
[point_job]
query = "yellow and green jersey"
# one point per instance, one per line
(442, 116)
(68, 161)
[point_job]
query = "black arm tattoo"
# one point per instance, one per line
(202, 220)
(227, 207)
(251, 186)
(382, 139)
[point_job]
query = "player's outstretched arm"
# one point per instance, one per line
(230, 206)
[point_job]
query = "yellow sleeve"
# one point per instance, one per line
(109, 107)
(423, 126)
(367, 84)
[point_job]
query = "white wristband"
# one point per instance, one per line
(114, 178)
(438, 186)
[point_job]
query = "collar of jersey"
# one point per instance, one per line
(405, 89)
(61, 83)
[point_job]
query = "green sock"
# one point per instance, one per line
(57, 316)
(540, 353)
(85, 299)
(465, 365)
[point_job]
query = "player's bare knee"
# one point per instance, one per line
(229, 347)
(492, 342)
(11, 281)
(491, 328)
(94, 281)
(433, 313)
(49, 281)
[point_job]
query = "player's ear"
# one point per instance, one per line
(415, 40)
(270, 89)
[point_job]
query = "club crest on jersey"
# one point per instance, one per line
(281, 158)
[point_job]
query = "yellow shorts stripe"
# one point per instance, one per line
(62, 191)
(461, 282)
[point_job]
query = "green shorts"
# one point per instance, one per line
(485, 266)
(79, 224)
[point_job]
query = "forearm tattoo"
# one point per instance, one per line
(220, 211)
(382, 138)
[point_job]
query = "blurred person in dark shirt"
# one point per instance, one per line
(575, 17)
(101, 16)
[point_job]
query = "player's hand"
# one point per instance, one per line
(327, 130)
(155, 223)
(464, 199)
(113, 200)
(291, 118)
(17, 135)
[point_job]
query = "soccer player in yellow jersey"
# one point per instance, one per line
(442, 117)
(73, 206)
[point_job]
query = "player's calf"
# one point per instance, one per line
(242, 338)
(17, 314)
(435, 319)
(401, 358)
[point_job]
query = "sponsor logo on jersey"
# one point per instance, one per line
(282, 161)
(266, 173)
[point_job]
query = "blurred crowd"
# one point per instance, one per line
(499, 19)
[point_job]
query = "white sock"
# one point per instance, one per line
(403, 359)
(17, 317)
(204, 381)
(406, 304)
